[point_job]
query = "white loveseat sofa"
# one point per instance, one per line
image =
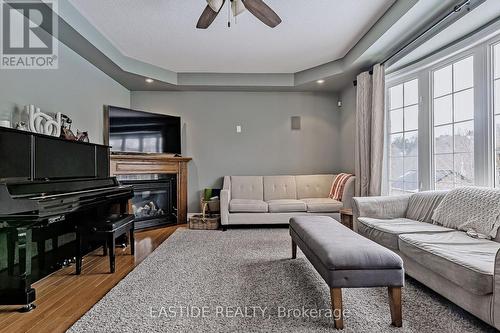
(275, 199)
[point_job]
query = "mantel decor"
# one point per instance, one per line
(140, 164)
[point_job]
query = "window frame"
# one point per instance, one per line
(450, 61)
(388, 133)
(491, 105)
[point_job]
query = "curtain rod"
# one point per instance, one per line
(455, 10)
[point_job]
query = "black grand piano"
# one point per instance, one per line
(51, 191)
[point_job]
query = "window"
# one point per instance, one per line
(453, 121)
(496, 109)
(403, 137)
(458, 115)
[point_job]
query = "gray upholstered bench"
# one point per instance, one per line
(347, 260)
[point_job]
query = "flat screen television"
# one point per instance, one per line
(131, 131)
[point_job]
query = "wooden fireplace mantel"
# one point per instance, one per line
(156, 163)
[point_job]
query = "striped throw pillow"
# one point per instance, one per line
(338, 186)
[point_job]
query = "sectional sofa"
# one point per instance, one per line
(463, 269)
(275, 199)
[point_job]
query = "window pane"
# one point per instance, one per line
(497, 131)
(497, 97)
(396, 169)
(443, 136)
(411, 143)
(396, 97)
(444, 168)
(498, 168)
(442, 81)
(411, 187)
(464, 169)
(397, 145)
(496, 52)
(396, 119)
(444, 186)
(411, 118)
(411, 92)
(464, 105)
(463, 74)
(443, 110)
(396, 188)
(410, 168)
(464, 137)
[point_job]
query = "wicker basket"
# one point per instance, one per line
(209, 222)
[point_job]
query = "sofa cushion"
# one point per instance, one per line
(421, 205)
(386, 231)
(314, 186)
(247, 206)
(466, 261)
(286, 205)
(279, 187)
(322, 205)
(247, 187)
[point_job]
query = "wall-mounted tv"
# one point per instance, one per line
(131, 131)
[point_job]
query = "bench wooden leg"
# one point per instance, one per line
(336, 296)
(111, 247)
(294, 250)
(395, 305)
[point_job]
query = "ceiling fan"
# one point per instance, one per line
(257, 7)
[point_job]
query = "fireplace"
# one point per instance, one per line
(147, 169)
(155, 199)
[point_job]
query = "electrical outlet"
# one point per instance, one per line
(238, 129)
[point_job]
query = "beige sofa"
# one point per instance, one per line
(276, 199)
(463, 269)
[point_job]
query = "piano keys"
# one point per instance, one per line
(49, 187)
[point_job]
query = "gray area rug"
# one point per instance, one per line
(242, 280)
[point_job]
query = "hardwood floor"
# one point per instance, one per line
(63, 297)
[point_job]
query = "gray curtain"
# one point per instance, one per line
(370, 102)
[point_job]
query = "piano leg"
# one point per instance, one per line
(25, 257)
(11, 251)
(79, 254)
(105, 248)
(132, 241)
(111, 244)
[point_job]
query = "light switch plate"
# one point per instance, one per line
(296, 123)
(238, 129)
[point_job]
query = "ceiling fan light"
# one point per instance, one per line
(237, 7)
(216, 5)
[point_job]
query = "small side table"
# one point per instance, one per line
(346, 217)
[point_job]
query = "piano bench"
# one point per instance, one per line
(113, 227)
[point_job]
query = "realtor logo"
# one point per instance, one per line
(28, 31)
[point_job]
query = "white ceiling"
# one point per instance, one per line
(163, 33)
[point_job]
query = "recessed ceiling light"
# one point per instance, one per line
(150, 80)
(320, 81)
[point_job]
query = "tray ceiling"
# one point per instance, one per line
(163, 33)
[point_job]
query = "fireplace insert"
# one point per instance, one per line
(154, 203)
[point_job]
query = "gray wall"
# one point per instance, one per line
(266, 146)
(77, 89)
(347, 127)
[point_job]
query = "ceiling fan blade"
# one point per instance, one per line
(262, 11)
(207, 17)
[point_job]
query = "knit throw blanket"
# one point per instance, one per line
(472, 209)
